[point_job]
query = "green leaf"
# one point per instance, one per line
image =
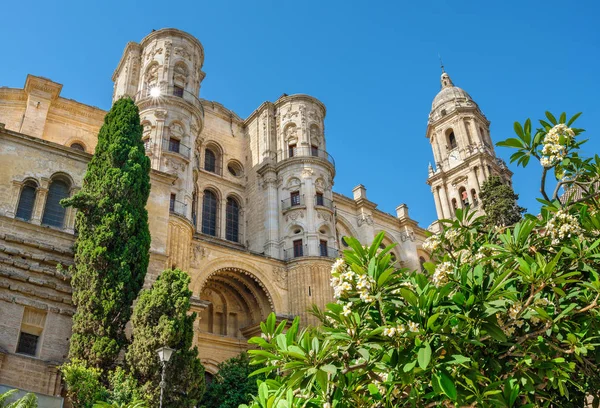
(493, 330)
(448, 386)
(551, 118)
(424, 356)
(431, 320)
(518, 131)
(409, 366)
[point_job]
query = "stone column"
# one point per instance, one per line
(438, 204)
(272, 214)
(14, 198)
(160, 116)
(312, 236)
(223, 221)
(70, 213)
(41, 194)
(445, 203)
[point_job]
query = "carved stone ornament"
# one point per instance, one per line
(198, 253)
(307, 173)
(289, 114)
(313, 115)
(294, 215)
(269, 182)
(324, 215)
(182, 52)
(280, 276)
(160, 114)
(320, 184)
(364, 219)
(458, 180)
(290, 133)
(174, 165)
(176, 129)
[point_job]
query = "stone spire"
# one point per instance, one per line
(445, 80)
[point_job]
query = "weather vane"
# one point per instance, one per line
(441, 63)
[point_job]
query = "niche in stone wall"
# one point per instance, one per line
(316, 137)
(180, 74)
(151, 75)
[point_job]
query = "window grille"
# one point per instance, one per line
(174, 145)
(78, 146)
(210, 161)
(295, 198)
(232, 220)
(178, 91)
(26, 201)
(323, 247)
(32, 327)
(54, 213)
(209, 213)
(298, 248)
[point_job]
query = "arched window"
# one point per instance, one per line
(26, 201)
(209, 213)
(454, 204)
(54, 213)
(78, 146)
(452, 140)
(422, 263)
(210, 161)
(474, 197)
(464, 197)
(392, 254)
(232, 220)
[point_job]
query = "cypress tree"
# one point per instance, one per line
(161, 318)
(499, 202)
(111, 250)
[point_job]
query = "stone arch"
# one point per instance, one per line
(64, 176)
(293, 183)
(389, 239)
(238, 299)
(451, 139)
(316, 136)
(151, 74)
(180, 73)
(344, 227)
(290, 135)
(210, 366)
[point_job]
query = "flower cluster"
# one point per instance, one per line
(555, 141)
(393, 331)
(432, 243)
(345, 280)
(440, 276)
(563, 225)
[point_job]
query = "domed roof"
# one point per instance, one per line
(449, 98)
(450, 94)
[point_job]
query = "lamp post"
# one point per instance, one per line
(164, 355)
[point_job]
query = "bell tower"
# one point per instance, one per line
(463, 152)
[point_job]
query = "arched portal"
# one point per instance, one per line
(236, 303)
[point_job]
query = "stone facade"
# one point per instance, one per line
(245, 206)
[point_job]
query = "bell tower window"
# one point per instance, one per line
(452, 140)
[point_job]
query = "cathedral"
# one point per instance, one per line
(244, 205)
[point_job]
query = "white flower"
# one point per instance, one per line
(338, 265)
(514, 310)
(432, 243)
(509, 331)
(413, 327)
(440, 276)
(389, 331)
(554, 151)
(346, 310)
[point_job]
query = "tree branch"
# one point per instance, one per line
(543, 184)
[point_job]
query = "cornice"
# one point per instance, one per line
(257, 111)
(305, 160)
(41, 144)
(163, 177)
(173, 32)
(219, 110)
(75, 108)
(301, 97)
(131, 45)
(222, 180)
(151, 103)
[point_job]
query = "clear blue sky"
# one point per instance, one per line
(374, 65)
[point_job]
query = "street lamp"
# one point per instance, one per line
(164, 355)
